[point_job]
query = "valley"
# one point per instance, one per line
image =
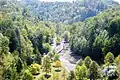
(77, 40)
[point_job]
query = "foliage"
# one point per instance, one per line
(117, 59)
(97, 36)
(94, 72)
(47, 47)
(38, 58)
(51, 55)
(58, 40)
(80, 72)
(5, 57)
(66, 36)
(4, 44)
(28, 28)
(71, 75)
(114, 26)
(118, 69)
(57, 64)
(66, 12)
(34, 68)
(46, 64)
(28, 75)
(109, 58)
(56, 57)
(80, 62)
(87, 61)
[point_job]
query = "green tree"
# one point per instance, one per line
(38, 58)
(46, 64)
(4, 55)
(80, 72)
(80, 62)
(46, 47)
(66, 36)
(51, 55)
(4, 44)
(117, 60)
(94, 72)
(112, 45)
(100, 39)
(114, 26)
(109, 58)
(87, 61)
(71, 76)
(25, 49)
(118, 70)
(27, 75)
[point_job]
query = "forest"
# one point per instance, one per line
(77, 40)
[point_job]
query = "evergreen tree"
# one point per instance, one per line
(46, 64)
(80, 62)
(117, 60)
(71, 76)
(94, 72)
(4, 51)
(109, 58)
(87, 61)
(80, 72)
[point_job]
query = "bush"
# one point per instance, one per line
(57, 64)
(34, 68)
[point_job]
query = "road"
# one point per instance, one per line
(64, 50)
(68, 66)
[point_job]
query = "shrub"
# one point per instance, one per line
(34, 68)
(57, 64)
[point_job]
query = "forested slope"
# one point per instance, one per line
(26, 37)
(23, 41)
(98, 35)
(66, 12)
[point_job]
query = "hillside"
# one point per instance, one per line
(66, 12)
(97, 35)
(35, 44)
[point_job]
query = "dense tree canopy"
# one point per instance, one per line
(97, 35)
(30, 32)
